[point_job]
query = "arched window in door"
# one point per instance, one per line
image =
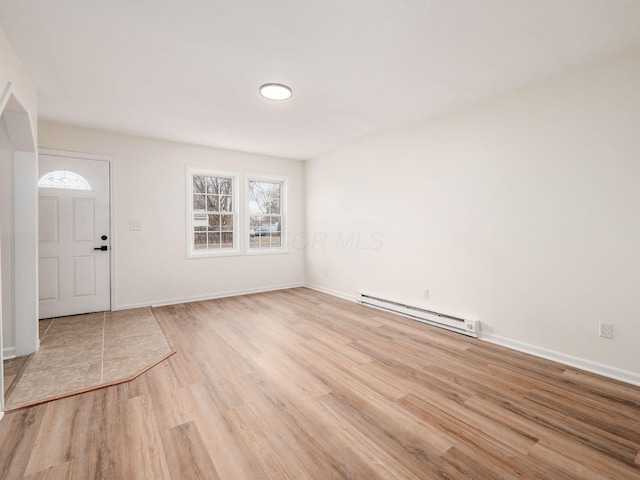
(64, 179)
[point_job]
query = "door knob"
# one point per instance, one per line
(104, 248)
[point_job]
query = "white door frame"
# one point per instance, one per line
(113, 251)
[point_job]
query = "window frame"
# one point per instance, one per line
(192, 252)
(284, 245)
(82, 184)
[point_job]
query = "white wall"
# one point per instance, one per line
(13, 72)
(6, 245)
(149, 185)
(14, 82)
(521, 212)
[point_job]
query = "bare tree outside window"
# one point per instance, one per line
(265, 214)
(213, 212)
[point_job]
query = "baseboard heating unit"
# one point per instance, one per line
(460, 325)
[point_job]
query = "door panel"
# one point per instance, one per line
(47, 219)
(83, 219)
(74, 278)
(84, 273)
(49, 279)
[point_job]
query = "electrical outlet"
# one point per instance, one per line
(606, 330)
(425, 293)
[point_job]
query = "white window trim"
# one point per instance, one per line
(237, 236)
(261, 177)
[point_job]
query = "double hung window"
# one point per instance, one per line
(223, 220)
(266, 214)
(213, 228)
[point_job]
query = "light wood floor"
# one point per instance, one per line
(299, 385)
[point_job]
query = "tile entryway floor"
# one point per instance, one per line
(84, 352)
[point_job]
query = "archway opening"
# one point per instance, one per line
(18, 232)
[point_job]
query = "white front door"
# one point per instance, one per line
(74, 237)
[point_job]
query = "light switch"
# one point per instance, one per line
(135, 225)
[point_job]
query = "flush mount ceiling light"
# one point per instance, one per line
(275, 91)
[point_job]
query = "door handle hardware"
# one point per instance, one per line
(104, 248)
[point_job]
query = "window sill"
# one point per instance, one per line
(212, 254)
(266, 251)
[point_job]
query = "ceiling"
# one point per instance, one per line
(190, 71)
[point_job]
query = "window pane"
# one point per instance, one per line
(200, 240)
(214, 222)
(200, 221)
(274, 224)
(199, 202)
(64, 179)
(274, 197)
(213, 203)
(227, 239)
(275, 241)
(264, 197)
(198, 184)
(227, 222)
(226, 204)
(226, 186)
(212, 185)
(214, 240)
(275, 206)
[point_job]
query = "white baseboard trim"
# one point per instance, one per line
(577, 362)
(8, 353)
(333, 293)
(626, 376)
(1, 413)
(615, 373)
(209, 296)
